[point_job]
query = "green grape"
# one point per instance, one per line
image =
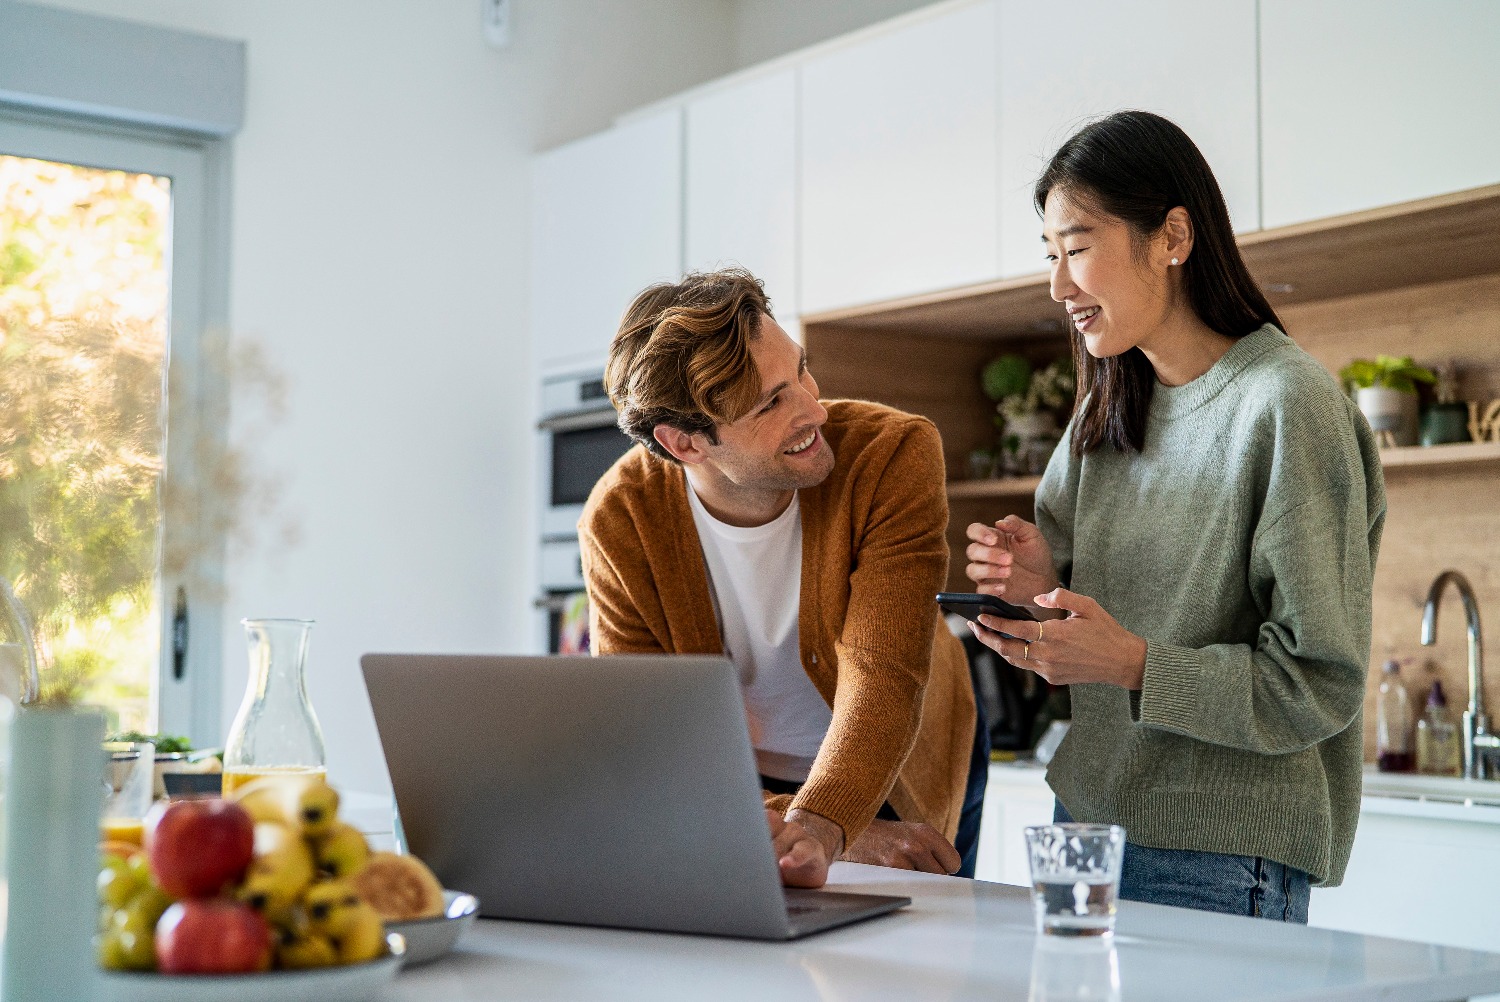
(111, 953)
(138, 950)
(129, 941)
(151, 901)
(117, 884)
(140, 867)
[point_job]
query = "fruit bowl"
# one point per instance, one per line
(325, 984)
(428, 939)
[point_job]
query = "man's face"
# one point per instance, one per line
(778, 444)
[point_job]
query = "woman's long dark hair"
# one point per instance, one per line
(1137, 167)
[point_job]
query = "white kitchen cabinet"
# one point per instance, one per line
(1062, 65)
(1017, 796)
(740, 184)
(606, 222)
(899, 161)
(1372, 102)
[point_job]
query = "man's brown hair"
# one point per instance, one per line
(682, 355)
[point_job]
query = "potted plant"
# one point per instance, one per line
(1386, 391)
(1030, 416)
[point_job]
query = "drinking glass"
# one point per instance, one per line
(1075, 877)
(129, 781)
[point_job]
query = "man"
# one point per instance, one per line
(805, 539)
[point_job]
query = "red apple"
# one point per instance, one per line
(197, 847)
(212, 936)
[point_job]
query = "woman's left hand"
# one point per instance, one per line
(1088, 646)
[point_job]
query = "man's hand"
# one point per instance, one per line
(905, 846)
(802, 856)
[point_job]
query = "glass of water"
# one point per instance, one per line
(1075, 877)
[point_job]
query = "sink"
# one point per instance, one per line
(1440, 789)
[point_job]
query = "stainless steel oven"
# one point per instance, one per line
(581, 441)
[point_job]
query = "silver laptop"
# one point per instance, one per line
(613, 791)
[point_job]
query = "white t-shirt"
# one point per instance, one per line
(755, 576)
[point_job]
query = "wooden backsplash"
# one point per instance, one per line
(1437, 518)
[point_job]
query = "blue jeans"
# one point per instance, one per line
(1211, 881)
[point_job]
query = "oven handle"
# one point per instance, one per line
(554, 603)
(602, 418)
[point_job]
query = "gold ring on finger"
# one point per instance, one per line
(1026, 654)
(1038, 634)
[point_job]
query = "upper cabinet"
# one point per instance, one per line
(1063, 64)
(899, 161)
(1372, 102)
(606, 222)
(740, 185)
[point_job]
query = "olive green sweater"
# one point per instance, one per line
(1241, 544)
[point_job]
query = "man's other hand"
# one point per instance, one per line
(802, 857)
(904, 846)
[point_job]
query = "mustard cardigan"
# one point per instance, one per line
(873, 555)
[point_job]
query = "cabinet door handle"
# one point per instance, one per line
(180, 635)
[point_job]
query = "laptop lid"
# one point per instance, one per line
(615, 791)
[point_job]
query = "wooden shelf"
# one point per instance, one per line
(997, 487)
(1407, 457)
(1415, 243)
(1457, 454)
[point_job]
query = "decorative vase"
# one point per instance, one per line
(1391, 411)
(1444, 423)
(1036, 436)
(54, 794)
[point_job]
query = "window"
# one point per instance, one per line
(103, 243)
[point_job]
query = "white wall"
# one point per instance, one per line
(380, 209)
(764, 29)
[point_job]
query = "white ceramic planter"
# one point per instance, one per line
(54, 794)
(1390, 410)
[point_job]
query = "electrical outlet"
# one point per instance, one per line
(497, 22)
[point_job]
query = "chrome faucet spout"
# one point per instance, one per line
(1475, 722)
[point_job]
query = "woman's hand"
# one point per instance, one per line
(1087, 646)
(1010, 560)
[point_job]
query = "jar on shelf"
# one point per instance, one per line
(276, 731)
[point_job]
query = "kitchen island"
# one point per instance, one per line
(959, 939)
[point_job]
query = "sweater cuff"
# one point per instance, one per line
(844, 807)
(1169, 688)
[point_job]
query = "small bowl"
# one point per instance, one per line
(428, 939)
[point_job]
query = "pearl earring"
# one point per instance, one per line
(1174, 260)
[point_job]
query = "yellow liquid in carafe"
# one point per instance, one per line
(132, 830)
(235, 778)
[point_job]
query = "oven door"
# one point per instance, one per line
(580, 449)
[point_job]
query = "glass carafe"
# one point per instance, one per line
(276, 731)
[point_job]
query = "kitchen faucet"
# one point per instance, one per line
(1479, 743)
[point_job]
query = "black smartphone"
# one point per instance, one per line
(971, 605)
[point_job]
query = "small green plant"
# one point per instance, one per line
(1006, 376)
(1048, 388)
(1388, 371)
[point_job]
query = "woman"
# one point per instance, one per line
(1204, 548)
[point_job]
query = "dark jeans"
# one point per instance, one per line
(1211, 881)
(967, 842)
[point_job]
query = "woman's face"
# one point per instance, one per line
(1115, 291)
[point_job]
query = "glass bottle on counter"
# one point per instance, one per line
(1393, 723)
(275, 731)
(1438, 752)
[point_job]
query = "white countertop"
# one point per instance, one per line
(1438, 798)
(960, 939)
